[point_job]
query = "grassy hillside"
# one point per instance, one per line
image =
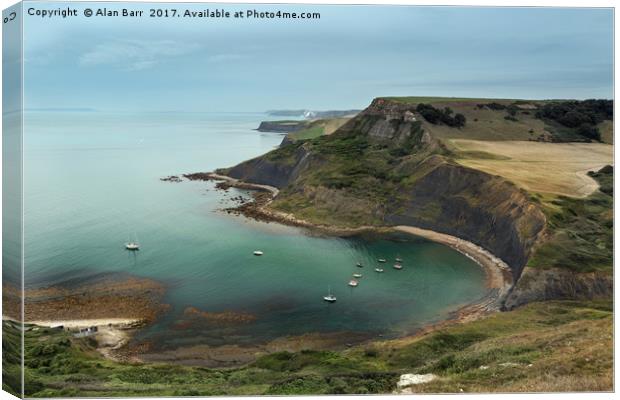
(552, 346)
(510, 119)
(318, 128)
(580, 231)
(11, 358)
(366, 169)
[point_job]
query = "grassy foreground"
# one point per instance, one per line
(551, 346)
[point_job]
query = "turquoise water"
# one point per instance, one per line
(92, 183)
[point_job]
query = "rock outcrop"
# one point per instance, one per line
(281, 126)
(273, 171)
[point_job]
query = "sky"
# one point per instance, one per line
(343, 60)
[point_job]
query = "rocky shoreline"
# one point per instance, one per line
(116, 305)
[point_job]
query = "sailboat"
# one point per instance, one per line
(132, 245)
(330, 298)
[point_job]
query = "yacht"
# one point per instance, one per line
(132, 246)
(330, 298)
(258, 253)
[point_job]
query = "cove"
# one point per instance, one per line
(94, 183)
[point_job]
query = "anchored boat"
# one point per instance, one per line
(258, 253)
(353, 283)
(132, 246)
(330, 298)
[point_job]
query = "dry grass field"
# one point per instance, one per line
(558, 168)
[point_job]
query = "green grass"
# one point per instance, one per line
(311, 132)
(366, 172)
(286, 122)
(546, 344)
(431, 99)
(581, 230)
(11, 358)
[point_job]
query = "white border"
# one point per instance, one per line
(483, 3)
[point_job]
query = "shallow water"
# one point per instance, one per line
(92, 183)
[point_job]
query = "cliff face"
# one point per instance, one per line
(272, 171)
(475, 206)
(558, 283)
(281, 126)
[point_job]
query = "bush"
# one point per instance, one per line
(436, 116)
(589, 131)
(582, 116)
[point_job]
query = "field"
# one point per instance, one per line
(557, 168)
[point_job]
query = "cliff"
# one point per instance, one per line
(558, 283)
(281, 126)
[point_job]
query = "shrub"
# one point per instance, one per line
(436, 116)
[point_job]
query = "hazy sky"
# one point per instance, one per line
(349, 56)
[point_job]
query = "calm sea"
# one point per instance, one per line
(92, 183)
